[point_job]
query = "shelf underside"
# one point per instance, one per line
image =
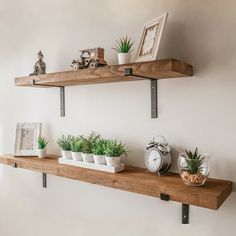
(159, 69)
(136, 180)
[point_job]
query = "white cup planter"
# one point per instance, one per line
(99, 159)
(66, 155)
(124, 58)
(113, 161)
(77, 156)
(41, 153)
(88, 157)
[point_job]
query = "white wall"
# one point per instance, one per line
(197, 111)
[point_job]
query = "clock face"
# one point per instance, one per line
(153, 160)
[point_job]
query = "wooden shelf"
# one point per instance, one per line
(151, 70)
(159, 69)
(136, 180)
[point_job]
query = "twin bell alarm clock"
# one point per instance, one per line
(158, 158)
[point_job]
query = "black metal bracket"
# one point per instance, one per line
(154, 113)
(14, 165)
(164, 197)
(62, 95)
(185, 213)
(44, 180)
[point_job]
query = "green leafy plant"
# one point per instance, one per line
(76, 145)
(115, 148)
(88, 142)
(42, 142)
(64, 142)
(124, 45)
(194, 162)
(99, 147)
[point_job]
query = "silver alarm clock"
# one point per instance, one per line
(158, 158)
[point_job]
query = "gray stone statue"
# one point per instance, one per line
(40, 65)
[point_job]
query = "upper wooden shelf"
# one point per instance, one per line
(136, 180)
(159, 69)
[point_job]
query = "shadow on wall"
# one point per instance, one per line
(182, 43)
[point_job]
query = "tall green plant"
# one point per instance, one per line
(99, 147)
(115, 148)
(194, 162)
(76, 145)
(124, 45)
(64, 142)
(88, 142)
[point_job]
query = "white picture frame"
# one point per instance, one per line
(150, 39)
(26, 138)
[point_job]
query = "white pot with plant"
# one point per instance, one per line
(124, 49)
(98, 149)
(114, 151)
(64, 143)
(76, 149)
(41, 147)
(87, 147)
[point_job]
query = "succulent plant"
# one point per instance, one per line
(42, 142)
(194, 162)
(124, 45)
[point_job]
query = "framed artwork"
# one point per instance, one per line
(26, 138)
(150, 39)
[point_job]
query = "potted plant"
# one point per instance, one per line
(64, 143)
(99, 147)
(114, 151)
(87, 147)
(124, 48)
(76, 149)
(41, 147)
(194, 168)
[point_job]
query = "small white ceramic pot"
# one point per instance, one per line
(87, 157)
(66, 155)
(77, 156)
(41, 153)
(124, 58)
(113, 161)
(99, 159)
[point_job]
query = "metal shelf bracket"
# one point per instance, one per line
(44, 175)
(185, 208)
(185, 213)
(62, 95)
(154, 110)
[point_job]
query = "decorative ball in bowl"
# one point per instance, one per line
(194, 168)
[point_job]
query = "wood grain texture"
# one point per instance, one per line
(159, 69)
(133, 179)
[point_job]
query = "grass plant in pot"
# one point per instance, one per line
(194, 168)
(124, 49)
(99, 147)
(87, 147)
(64, 142)
(41, 147)
(76, 149)
(114, 151)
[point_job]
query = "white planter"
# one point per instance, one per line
(113, 161)
(87, 157)
(124, 58)
(66, 155)
(77, 156)
(99, 159)
(41, 153)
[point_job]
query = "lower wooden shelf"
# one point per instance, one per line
(133, 179)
